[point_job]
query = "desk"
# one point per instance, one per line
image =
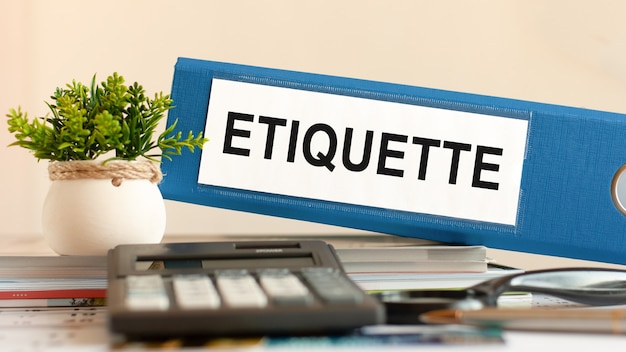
(515, 341)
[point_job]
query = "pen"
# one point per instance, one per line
(596, 320)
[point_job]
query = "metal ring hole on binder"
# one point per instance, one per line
(618, 189)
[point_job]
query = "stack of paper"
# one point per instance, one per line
(385, 262)
(52, 281)
(412, 281)
(414, 259)
(420, 267)
(374, 262)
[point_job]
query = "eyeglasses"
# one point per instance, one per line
(587, 286)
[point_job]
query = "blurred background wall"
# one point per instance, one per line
(563, 52)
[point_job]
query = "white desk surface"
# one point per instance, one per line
(25, 339)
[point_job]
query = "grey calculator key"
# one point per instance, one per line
(283, 287)
(195, 291)
(146, 292)
(240, 290)
(332, 286)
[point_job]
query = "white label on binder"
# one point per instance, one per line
(363, 151)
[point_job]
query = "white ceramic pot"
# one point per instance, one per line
(91, 216)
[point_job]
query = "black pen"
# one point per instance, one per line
(593, 320)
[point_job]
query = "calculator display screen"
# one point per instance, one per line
(296, 261)
(265, 262)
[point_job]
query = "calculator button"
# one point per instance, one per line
(146, 292)
(240, 290)
(331, 286)
(195, 291)
(284, 288)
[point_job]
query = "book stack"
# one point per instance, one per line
(375, 262)
(52, 281)
(386, 262)
(414, 259)
(400, 265)
(420, 267)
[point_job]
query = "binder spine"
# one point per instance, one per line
(567, 161)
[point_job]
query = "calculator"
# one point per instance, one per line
(233, 289)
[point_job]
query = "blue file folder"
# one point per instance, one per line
(408, 161)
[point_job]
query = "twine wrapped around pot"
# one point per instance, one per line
(116, 170)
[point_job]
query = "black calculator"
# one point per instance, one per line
(234, 289)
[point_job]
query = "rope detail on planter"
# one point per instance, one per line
(116, 170)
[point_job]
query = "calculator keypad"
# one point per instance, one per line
(238, 288)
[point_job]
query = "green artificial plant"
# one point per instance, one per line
(101, 120)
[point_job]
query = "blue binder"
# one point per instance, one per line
(402, 160)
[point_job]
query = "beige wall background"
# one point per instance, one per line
(563, 52)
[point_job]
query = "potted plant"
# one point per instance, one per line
(104, 163)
